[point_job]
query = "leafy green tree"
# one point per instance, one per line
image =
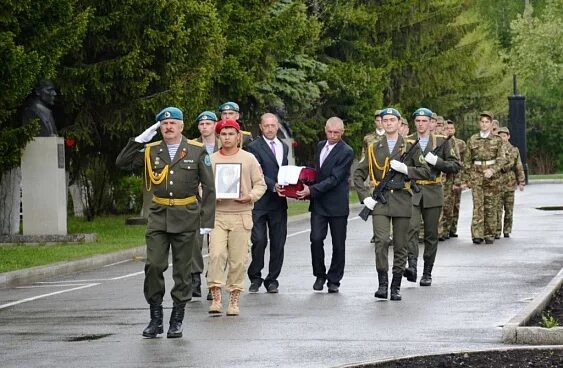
(536, 57)
(137, 57)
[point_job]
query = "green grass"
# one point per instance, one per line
(550, 176)
(548, 321)
(112, 235)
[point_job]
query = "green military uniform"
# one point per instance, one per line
(398, 209)
(176, 214)
(428, 202)
(370, 139)
(512, 174)
(481, 154)
(456, 192)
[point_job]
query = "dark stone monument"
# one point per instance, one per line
(39, 106)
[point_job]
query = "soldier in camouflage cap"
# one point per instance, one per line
(484, 159)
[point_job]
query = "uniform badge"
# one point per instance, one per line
(207, 160)
(421, 160)
(166, 114)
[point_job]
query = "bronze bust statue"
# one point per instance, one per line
(39, 106)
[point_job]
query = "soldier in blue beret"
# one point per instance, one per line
(175, 168)
(231, 110)
(206, 122)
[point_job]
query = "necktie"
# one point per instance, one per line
(273, 147)
(324, 154)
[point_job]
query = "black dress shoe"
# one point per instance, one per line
(332, 288)
(442, 238)
(319, 284)
(506, 235)
(497, 236)
(477, 241)
(254, 286)
(489, 240)
(272, 288)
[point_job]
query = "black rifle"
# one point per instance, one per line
(380, 188)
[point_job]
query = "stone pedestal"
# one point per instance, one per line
(44, 192)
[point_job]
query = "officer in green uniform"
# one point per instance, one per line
(484, 158)
(428, 202)
(381, 157)
(174, 169)
(370, 139)
(231, 110)
(206, 122)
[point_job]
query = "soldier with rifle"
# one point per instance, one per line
(389, 163)
(428, 201)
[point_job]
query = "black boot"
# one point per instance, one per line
(196, 285)
(426, 279)
(410, 271)
(155, 325)
(383, 285)
(176, 319)
(396, 286)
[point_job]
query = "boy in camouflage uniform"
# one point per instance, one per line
(483, 161)
(512, 175)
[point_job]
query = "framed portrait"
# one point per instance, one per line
(227, 180)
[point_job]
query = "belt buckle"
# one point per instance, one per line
(171, 203)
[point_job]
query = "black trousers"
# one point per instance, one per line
(272, 225)
(319, 229)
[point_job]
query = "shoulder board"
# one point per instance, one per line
(441, 136)
(195, 143)
(153, 144)
(245, 132)
(411, 137)
(410, 141)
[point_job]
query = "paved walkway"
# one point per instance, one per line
(94, 318)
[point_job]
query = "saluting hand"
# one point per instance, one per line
(148, 134)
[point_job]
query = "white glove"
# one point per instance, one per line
(370, 203)
(399, 166)
(431, 158)
(204, 231)
(148, 134)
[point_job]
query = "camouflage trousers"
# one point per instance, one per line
(486, 195)
(506, 203)
(456, 200)
(447, 209)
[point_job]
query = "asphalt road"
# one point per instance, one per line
(95, 318)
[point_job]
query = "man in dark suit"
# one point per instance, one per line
(330, 204)
(270, 212)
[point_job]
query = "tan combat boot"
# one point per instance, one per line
(216, 306)
(233, 309)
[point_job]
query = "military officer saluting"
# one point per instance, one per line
(174, 169)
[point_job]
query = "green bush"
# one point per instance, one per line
(128, 194)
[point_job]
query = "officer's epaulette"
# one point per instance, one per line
(153, 144)
(410, 137)
(195, 143)
(410, 141)
(441, 136)
(245, 132)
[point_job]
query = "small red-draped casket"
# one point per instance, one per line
(292, 179)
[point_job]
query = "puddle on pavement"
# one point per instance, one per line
(87, 337)
(550, 208)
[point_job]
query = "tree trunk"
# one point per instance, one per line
(10, 199)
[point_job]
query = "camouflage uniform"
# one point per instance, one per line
(482, 154)
(512, 175)
(450, 211)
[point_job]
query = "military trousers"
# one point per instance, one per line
(430, 219)
(229, 243)
(197, 255)
(382, 225)
(456, 199)
(447, 209)
(506, 203)
(485, 193)
(158, 246)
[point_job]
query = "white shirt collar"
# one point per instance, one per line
(484, 134)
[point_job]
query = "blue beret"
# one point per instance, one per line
(423, 111)
(206, 115)
(170, 113)
(390, 111)
(232, 106)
